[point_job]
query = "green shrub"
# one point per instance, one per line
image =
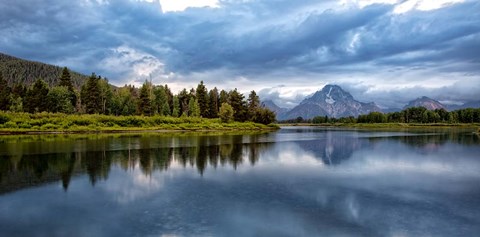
(10, 124)
(24, 125)
(4, 119)
(48, 126)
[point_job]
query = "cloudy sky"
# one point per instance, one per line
(387, 51)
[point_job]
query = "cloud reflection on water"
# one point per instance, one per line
(301, 183)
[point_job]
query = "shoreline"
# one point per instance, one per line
(474, 126)
(132, 130)
(57, 123)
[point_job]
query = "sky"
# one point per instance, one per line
(386, 51)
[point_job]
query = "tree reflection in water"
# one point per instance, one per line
(27, 161)
(19, 171)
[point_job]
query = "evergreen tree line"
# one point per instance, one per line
(423, 115)
(410, 115)
(96, 96)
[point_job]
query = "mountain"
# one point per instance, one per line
(426, 102)
(16, 70)
(279, 111)
(331, 101)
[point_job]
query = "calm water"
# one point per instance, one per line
(294, 182)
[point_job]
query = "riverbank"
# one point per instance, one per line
(390, 125)
(54, 123)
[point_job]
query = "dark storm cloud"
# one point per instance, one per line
(121, 38)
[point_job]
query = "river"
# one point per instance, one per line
(298, 181)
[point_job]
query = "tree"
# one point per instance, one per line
(59, 100)
(123, 101)
(202, 98)
(213, 102)
(263, 116)
(183, 99)
(35, 99)
(169, 94)
(144, 100)
(66, 80)
(223, 98)
(5, 92)
(226, 113)
(160, 98)
(16, 104)
(166, 109)
(90, 95)
(253, 101)
(193, 108)
(235, 99)
(105, 95)
(176, 107)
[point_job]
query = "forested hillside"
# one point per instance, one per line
(20, 71)
(55, 90)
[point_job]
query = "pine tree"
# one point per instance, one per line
(5, 92)
(176, 107)
(202, 98)
(223, 97)
(35, 99)
(183, 99)
(160, 99)
(66, 80)
(213, 102)
(169, 94)
(166, 109)
(236, 100)
(193, 108)
(91, 95)
(144, 100)
(106, 95)
(253, 103)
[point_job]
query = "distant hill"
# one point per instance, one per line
(426, 102)
(16, 70)
(331, 101)
(279, 111)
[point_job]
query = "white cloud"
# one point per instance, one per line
(424, 5)
(403, 6)
(134, 65)
(181, 5)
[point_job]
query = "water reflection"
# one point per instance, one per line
(295, 182)
(97, 156)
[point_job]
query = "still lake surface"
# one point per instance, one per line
(298, 181)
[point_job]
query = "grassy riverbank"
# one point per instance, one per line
(19, 123)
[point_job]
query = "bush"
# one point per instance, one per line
(3, 119)
(10, 124)
(226, 113)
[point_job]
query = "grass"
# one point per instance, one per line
(18, 123)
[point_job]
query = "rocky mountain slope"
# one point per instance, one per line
(269, 104)
(426, 102)
(331, 101)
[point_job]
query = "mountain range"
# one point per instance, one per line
(333, 101)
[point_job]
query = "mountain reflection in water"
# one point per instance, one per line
(294, 182)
